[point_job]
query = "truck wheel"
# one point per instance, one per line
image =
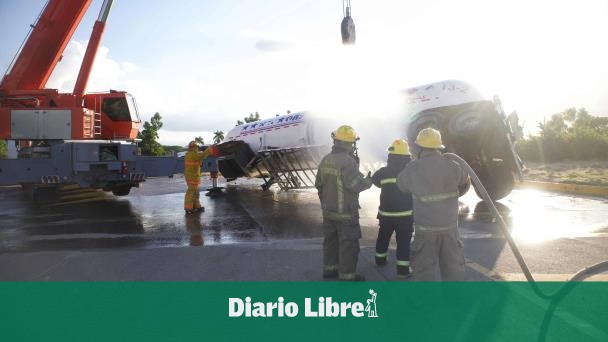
(121, 190)
(498, 181)
(468, 129)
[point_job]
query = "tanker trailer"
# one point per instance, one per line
(471, 126)
(284, 150)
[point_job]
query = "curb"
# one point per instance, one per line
(577, 189)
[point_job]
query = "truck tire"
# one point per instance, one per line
(498, 181)
(469, 130)
(122, 190)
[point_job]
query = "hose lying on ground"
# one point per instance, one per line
(578, 276)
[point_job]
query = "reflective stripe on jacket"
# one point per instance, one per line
(393, 202)
(433, 181)
(339, 182)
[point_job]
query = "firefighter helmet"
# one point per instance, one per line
(399, 147)
(345, 133)
(429, 138)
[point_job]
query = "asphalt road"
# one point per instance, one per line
(250, 234)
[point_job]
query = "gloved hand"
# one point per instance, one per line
(214, 151)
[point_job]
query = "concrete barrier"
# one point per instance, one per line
(577, 189)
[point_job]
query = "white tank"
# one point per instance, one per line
(287, 131)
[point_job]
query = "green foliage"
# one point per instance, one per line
(251, 118)
(174, 149)
(3, 150)
(218, 137)
(570, 135)
(149, 136)
(199, 141)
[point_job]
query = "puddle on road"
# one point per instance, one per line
(537, 216)
(153, 219)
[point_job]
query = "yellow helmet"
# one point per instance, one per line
(345, 133)
(429, 138)
(399, 147)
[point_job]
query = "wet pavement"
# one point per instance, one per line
(271, 230)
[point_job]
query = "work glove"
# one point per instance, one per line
(214, 151)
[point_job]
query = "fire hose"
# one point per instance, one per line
(578, 276)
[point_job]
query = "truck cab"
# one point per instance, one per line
(472, 126)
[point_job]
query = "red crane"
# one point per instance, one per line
(69, 138)
(28, 111)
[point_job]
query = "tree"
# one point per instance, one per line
(149, 135)
(173, 149)
(3, 151)
(572, 134)
(199, 140)
(218, 136)
(251, 118)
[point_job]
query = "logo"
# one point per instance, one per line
(371, 305)
(317, 307)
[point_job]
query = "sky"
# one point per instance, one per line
(205, 64)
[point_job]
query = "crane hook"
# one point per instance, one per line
(347, 27)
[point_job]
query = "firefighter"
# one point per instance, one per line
(192, 173)
(434, 181)
(339, 183)
(395, 212)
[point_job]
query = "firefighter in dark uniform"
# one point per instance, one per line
(339, 183)
(435, 182)
(395, 212)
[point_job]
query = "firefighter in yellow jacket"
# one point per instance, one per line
(192, 174)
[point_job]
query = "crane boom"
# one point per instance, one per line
(45, 45)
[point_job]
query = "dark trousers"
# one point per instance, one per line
(341, 246)
(403, 228)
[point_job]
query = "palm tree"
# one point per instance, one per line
(218, 136)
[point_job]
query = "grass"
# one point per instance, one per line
(590, 172)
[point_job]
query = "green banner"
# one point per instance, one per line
(166, 311)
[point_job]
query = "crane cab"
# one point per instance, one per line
(117, 117)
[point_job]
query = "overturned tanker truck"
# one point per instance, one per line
(286, 150)
(471, 126)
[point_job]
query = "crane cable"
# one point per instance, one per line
(578, 276)
(346, 9)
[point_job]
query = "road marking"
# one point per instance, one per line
(469, 235)
(483, 270)
(568, 318)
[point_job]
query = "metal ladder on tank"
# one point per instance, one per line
(292, 168)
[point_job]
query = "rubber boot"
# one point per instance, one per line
(380, 261)
(403, 272)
